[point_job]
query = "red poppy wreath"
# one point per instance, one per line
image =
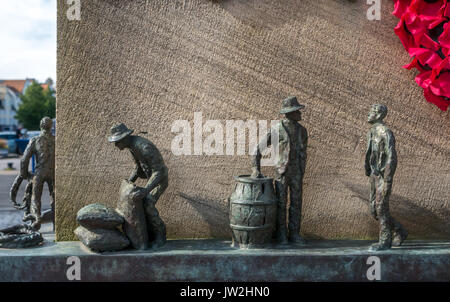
(424, 30)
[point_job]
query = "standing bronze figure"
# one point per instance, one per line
(149, 165)
(291, 143)
(380, 165)
(43, 148)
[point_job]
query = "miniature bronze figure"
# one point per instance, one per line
(43, 148)
(136, 214)
(380, 165)
(290, 168)
(149, 165)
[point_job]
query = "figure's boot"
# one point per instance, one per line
(282, 235)
(385, 240)
(160, 235)
(294, 230)
(399, 236)
(294, 237)
(155, 226)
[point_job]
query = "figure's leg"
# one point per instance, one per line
(155, 225)
(399, 233)
(27, 197)
(26, 201)
(372, 198)
(35, 209)
(157, 192)
(281, 192)
(295, 209)
(51, 189)
(382, 209)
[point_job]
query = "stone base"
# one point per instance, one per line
(214, 260)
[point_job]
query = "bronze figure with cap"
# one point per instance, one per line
(149, 165)
(289, 138)
(380, 166)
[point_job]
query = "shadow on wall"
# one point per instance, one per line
(214, 215)
(409, 214)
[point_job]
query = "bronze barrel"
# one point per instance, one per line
(253, 212)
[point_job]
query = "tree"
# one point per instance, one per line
(36, 104)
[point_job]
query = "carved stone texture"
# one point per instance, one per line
(102, 240)
(253, 210)
(95, 216)
(252, 54)
(131, 208)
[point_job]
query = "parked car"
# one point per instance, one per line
(18, 145)
(10, 137)
(23, 142)
(32, 134)
(21, 145)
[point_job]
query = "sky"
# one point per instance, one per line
(28, 39)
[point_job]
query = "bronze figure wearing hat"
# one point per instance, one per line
(290, 138)
(149, 165)
(380, 166)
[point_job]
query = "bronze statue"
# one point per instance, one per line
(43, 148)
(290, 168)
(149, 165)
(380, 165)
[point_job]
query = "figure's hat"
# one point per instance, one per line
(290, 104)
(119, 132)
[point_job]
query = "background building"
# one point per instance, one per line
(9, 102)
(10, 92)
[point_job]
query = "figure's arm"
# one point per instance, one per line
(368, 151)
(156, 165)
(25, 161)
(391, 157)
(265, 142)
(154, 180)
(305, 145)
(135, 174)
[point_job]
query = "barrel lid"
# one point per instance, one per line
(249, 179)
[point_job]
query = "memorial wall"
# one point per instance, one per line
(182, 71)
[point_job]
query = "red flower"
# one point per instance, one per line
(424, 31)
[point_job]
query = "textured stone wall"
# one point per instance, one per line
(149, 63)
